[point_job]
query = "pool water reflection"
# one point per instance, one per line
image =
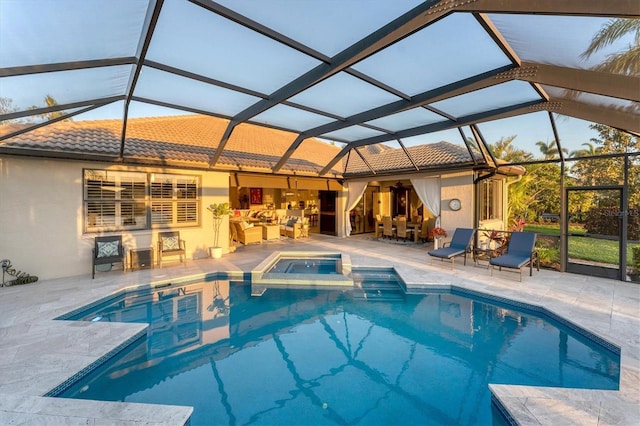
(321, 357)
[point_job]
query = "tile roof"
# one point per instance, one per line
(385, 159)
(185, 140)
(192, 141)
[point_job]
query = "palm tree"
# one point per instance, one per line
(590, 151)
(626, 62)
(587, 170)
(503, 150)
(51, 102)
(550, 150)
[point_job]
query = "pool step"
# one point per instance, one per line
(377, 285)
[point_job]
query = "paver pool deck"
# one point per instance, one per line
(38, 353)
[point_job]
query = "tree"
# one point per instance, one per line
(50, 101)
(7, 106)
(585, 171)
(538, 191)
(503, 150)
(522, 195)
(626, 62)
(590, 151)
(614, 141)
(550, 149)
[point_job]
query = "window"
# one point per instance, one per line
(490, 199)
(174, 199)
(115, 200)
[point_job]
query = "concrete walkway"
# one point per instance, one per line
(39, 354)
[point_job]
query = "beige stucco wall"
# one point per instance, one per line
(458, 185)
(41, 216)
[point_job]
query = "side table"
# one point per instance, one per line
(270, 232)
(141, 258)
(482, 254)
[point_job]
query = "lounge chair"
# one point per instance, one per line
(459, 245)
(248, 233)
(106, 251)
(170, 244)
(520, 253)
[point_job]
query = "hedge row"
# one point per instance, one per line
(606, 221)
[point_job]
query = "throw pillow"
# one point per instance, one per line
(108, 248)
(170, 243)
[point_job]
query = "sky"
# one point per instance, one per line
(187, 37)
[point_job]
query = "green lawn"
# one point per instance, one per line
(551, 229)
(585, 248)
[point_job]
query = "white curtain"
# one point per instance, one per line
(428, 190)
(354, 191)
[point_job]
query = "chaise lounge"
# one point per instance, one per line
(520, 253)
(460, 245)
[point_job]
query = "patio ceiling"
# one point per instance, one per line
(354, 73)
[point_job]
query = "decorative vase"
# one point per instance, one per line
(436, 243)
(215, 252)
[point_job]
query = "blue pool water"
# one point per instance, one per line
(305, 266)
(312, 357)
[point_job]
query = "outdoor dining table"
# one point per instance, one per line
(416, 226)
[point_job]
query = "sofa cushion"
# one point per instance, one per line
(108, 248)
(170, 243)
(291, 222)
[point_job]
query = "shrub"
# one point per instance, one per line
(635, 258)
(548, 248)
(549, 257)
(604, 221)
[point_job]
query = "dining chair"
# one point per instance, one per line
(401, 228)
(424, 231)
(388, 230)
(378, 228)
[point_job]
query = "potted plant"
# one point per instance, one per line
(219, 211)
(437, 234)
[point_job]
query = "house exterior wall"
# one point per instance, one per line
(460, 186)
(41, 216)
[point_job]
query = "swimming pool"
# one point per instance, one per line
(323, 357)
